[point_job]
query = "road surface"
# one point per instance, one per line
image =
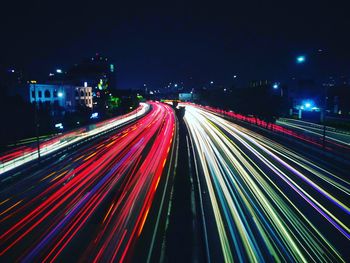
(93, 202)
(25, 154)
(260, 201)
(316, 130)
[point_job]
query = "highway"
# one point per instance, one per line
(316, 130)
(260, 201)
(92, 203)
(22, 155)
(236, 196)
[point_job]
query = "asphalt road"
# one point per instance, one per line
(91, 204)
(201, 189)
(19, 156)
(316, 130)
(261, 201)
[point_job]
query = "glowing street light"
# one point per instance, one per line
(60, 94)
(275, 86)
(59, 71)
(301, 59)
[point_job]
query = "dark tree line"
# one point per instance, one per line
(263, 103)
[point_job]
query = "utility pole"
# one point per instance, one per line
(36, 117)
(323, 119)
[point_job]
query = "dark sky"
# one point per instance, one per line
(171, 41)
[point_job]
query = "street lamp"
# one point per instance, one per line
(301, 59)
(276, 86)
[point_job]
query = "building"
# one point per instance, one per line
(60, 98)
(266, 84)
(190, 96)
(97, 71)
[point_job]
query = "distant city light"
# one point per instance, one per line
(59, 70)
(85, 84)
(12, 70)
(211, 82)
(60, 94)
(51, 74)
(94, 115)
(175, 85)
(234, 76)
(308, 105)
(59, 126)
(275, 86)
(300, 59)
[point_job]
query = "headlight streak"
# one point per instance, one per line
(22, 155)
(251, 209)
(120, 173)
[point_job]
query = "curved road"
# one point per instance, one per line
(261, 201)
(91, 204)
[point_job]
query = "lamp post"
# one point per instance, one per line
(276, 86)
(36, 120)
(300, 60)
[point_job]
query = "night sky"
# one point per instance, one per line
(155, 43)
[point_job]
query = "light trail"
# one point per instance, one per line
(104, 195)
(315, 129)
(268, 202)
(22, 155)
